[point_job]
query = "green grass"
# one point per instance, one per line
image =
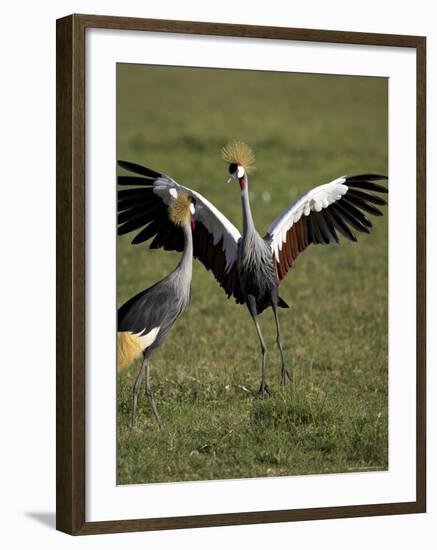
(305, 130)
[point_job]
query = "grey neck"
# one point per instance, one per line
(248, 225)
(185, 266)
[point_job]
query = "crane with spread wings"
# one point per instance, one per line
(249, 267)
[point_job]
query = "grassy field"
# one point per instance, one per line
(305, 130)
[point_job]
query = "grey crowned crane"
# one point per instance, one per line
(145, 320)
(250, 267)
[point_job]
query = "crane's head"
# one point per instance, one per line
(241, 161)
(181, 208)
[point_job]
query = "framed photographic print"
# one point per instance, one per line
(214, 368)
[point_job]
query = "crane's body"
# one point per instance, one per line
(256, 270)
(249, 267)
(151, 314)
(258, 283)
(255, 266)
(145, 320)
(258, 280)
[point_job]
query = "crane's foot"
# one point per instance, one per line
(264, 390)
(285, 375)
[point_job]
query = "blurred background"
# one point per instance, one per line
(305, 130)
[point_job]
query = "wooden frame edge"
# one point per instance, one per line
(246, 518)
(421, 462)
(70, 275)
(245, 31)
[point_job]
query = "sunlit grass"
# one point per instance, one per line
(305, 130)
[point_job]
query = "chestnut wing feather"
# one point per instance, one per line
(317, 217)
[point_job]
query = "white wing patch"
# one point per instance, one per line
(166, 188)
(146, 340)
(215, 222)
(219, 226)
(314, 201)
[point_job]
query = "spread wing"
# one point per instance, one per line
(317, 217)
(143, 208)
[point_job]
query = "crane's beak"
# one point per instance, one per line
(232, 178)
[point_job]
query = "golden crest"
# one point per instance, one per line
(239, 153)
(179, 209)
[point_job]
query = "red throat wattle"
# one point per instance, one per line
(193, 224)
(242, 183)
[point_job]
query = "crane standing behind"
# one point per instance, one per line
(145, 320)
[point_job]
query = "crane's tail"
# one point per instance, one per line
(128, 349)
(282, 303)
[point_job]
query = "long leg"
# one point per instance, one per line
(284, 371)
(136, 391)
(149, 394)
(251, 304)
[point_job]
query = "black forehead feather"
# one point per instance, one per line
(232, 167)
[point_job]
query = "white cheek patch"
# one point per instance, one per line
(240, 172)
(173, 192)
(192, 209)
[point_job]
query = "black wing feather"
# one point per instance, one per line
(133, 180)
(127, 203)
(369, 177)
(149, 231)
(368, 197)
(324, 228)
(341, 208)
(356, 181)
(330, 223)
(140, 211)
(355, 212)
(365, 206)
(138, 169)
(144, 193)
(341, 226)
(142, 207)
